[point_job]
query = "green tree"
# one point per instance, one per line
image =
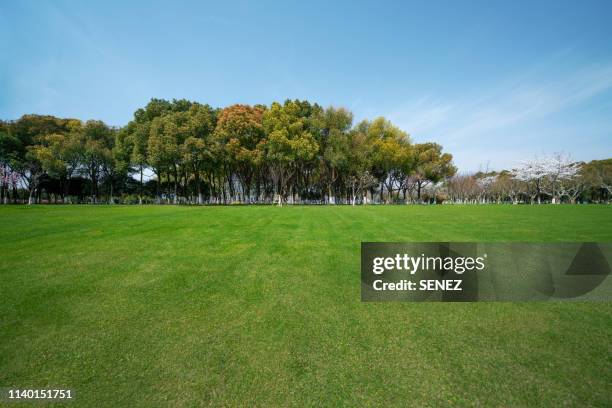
(163, 150)
(138, 131)
(97, 141)
(359, 159)
(10, 148)
(59, 155)
(29, 130)
(333, 127)
(289, 143)
(389, 147)
(431, 166)
(598, 175)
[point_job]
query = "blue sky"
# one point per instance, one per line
(495, 81)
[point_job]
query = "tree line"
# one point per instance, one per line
(181, 151)
(296, 152)
(546, 179)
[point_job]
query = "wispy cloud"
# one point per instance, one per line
(477, 124)
(422, 116)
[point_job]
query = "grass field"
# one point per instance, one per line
(184, 306)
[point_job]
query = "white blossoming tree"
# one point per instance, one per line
(546, 175)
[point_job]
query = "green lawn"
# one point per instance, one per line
(189, 306)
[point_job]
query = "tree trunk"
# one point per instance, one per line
(31, 197)
(140, 187)
(94, 188)
(198, 188)
(185, 192)
(175, 201)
